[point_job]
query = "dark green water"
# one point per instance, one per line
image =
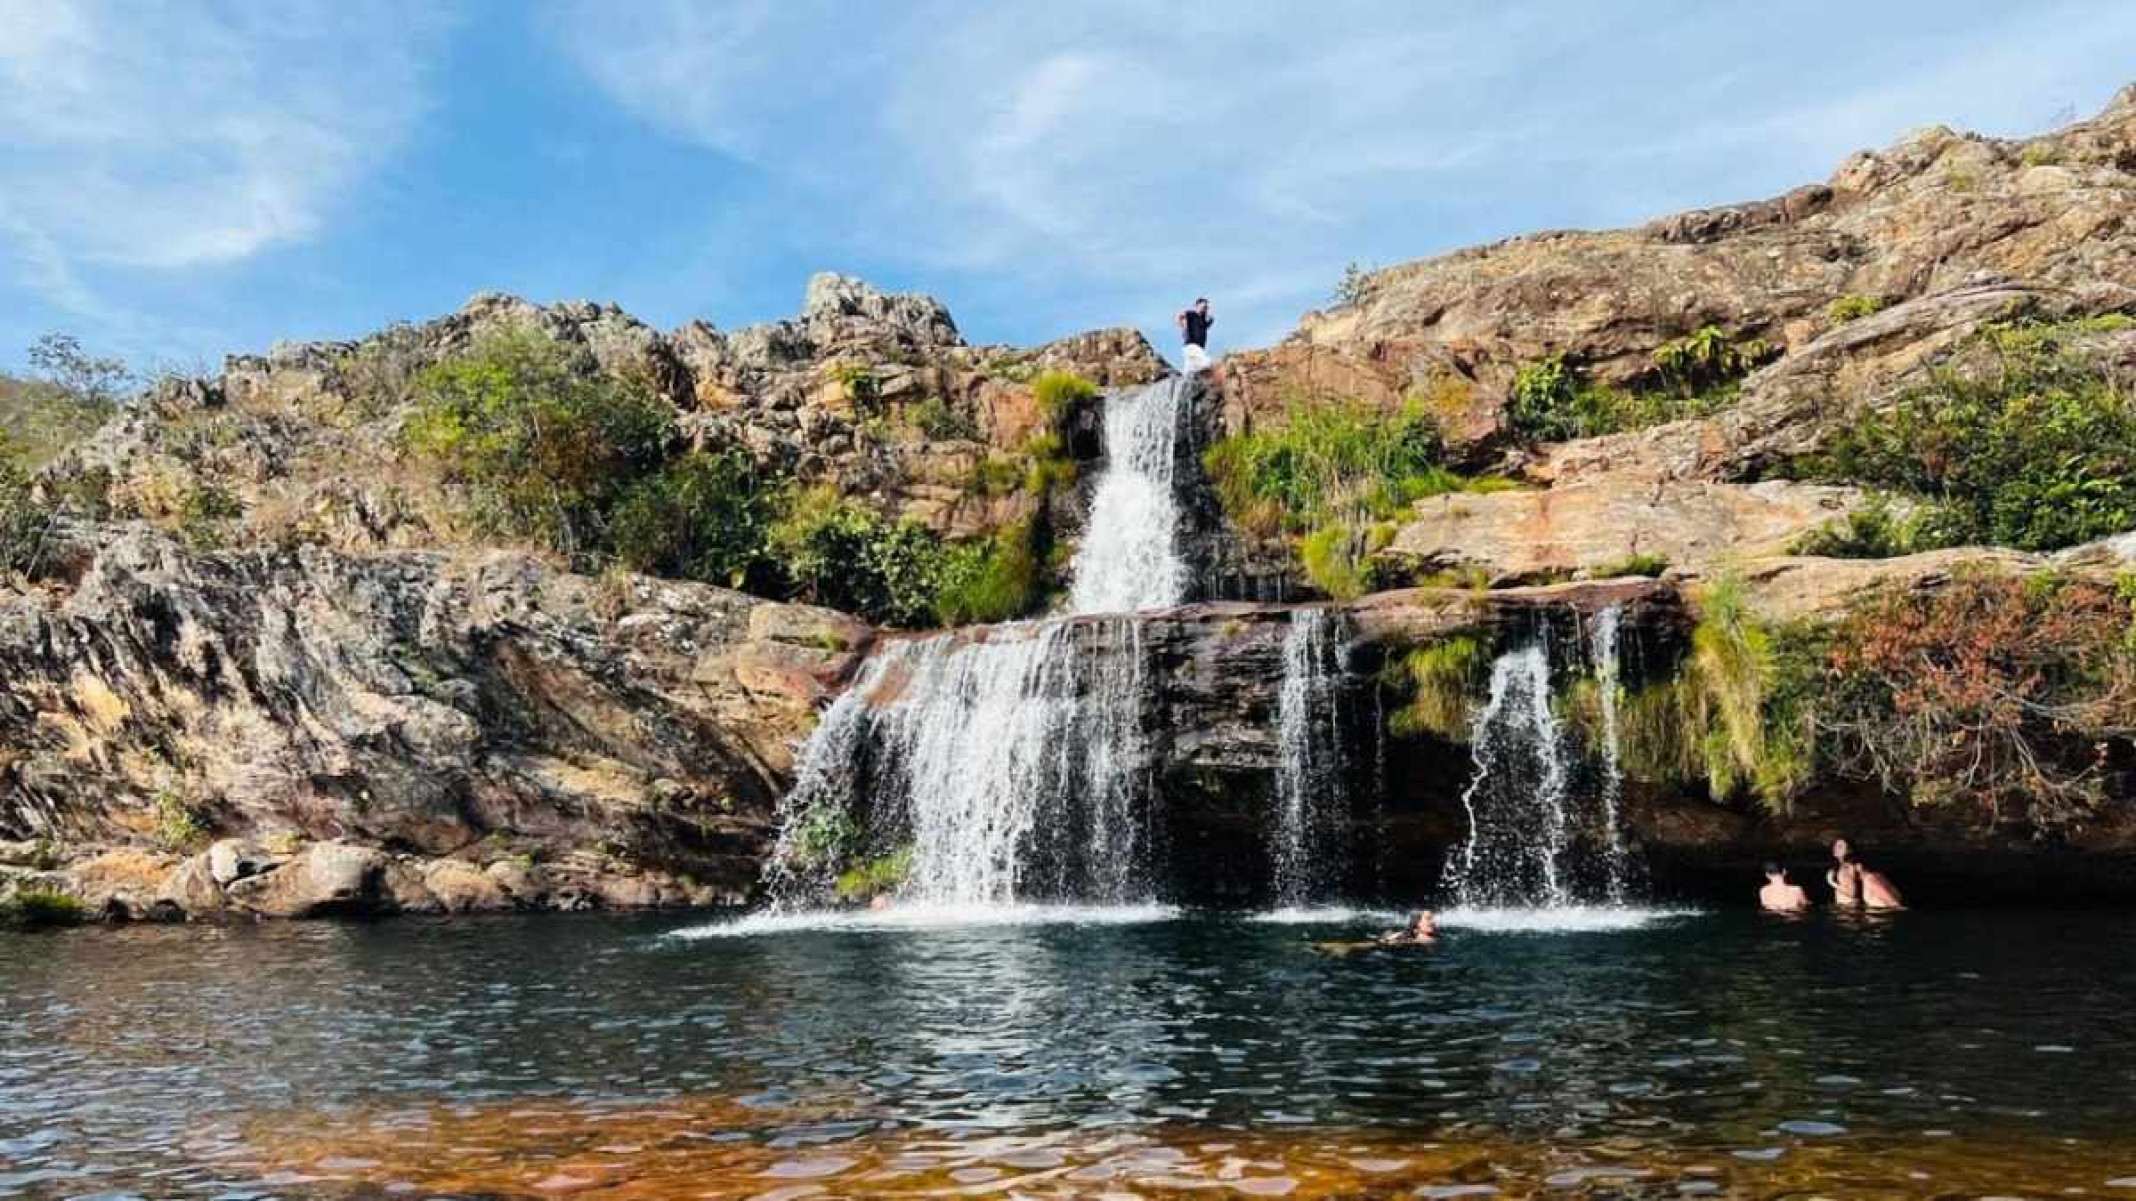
(145, 1061)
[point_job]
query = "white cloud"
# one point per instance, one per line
(154, 136)
(1082, 157)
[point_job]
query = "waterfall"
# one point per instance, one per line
(1011, 763)
(1519, 828)
(1129, 559)
(1310, 796)
(1534, 840)
(1616, 859)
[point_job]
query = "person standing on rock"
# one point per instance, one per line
(1194, 323)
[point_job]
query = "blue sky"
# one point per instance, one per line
(181, 180)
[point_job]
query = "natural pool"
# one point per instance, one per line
(1052, 1054)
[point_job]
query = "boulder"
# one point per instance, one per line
(192, 889)
(123, 883)
(323, 878)
(232, 859)
(460, 887)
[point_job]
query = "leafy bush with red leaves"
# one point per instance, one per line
(2010, 694)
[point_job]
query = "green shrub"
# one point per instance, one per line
(841, 553)
(992, 579)
(1334, 560)
(37, 908)
(545, 447)
(2038, 454)
(24, 523)
(825, 838)
(178, 826)
(204, 516)
(1853, 307)
(1545, 404)
(1637, 563)
(1047, 465)
(1442, 681)
(705, 516)
(1875, 531)
(1342, 462)
(1707, 358)
(942, 421)
(1553, 400)
(1355, 284)
(873, 877)
(1056, 391)
(862, 390)
(43, 420)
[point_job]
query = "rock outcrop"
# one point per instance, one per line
(1938, 213)
(473, 706)
(306, 439)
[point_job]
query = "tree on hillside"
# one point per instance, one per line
(61, 361)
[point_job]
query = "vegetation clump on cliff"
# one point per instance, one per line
(589, 465)
(1554, 400)
(2037, 453)
(1999, 697)
(1332, 476)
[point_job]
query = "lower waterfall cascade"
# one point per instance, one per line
(1535, 839)
(1013, 766)
(1311, 795)
(1606, 641)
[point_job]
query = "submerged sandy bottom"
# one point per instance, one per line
(716, 1147)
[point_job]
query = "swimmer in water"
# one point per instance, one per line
(1845, 876)
(1779, 895)
(1423, 928)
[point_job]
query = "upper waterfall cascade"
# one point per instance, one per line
(1130, 559)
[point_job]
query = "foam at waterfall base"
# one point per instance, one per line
(929, 917)
(1317, 915)
(1567, 919)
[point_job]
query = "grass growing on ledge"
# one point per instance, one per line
(1056, 391)
(1853, 307)
(1647, 564)
(1333, 477)
(1553, 400)
(1345, 461)
(2039, 453)
(41, 908)
(1442, 681)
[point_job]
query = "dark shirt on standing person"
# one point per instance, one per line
(1198, 324)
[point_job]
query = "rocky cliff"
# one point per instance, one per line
(271, 662)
